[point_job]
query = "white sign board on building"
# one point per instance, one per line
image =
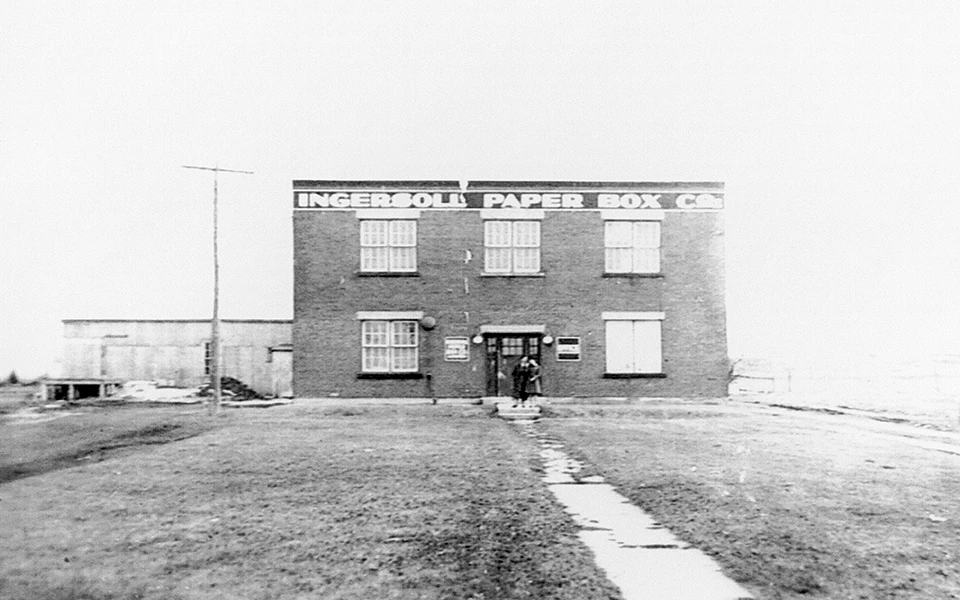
(568, 348)
(456, 349)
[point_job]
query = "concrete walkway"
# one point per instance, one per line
(637, 554)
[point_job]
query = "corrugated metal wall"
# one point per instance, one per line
(172, 352)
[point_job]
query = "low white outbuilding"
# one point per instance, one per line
(176, 353)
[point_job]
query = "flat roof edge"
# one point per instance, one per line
(175, 320)
(301, 184)
(377, 184)
(592, 185)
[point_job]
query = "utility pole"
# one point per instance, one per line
(214, 405)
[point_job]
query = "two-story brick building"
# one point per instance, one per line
(436, 288)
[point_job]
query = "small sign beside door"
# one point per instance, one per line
(568, 348)
(456, 349)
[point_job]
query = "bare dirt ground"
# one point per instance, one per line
(793, 503)
(301, 501)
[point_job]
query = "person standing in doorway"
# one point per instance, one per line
(536, 388)
(521, 381)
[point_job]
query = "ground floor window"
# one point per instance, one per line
(390, 346)
(634, 343)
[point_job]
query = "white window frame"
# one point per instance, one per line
(634, 343)
(636, 221)
(392, 239)
(513, 243)
(387, 337)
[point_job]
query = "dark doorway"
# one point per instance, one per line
(503, 354)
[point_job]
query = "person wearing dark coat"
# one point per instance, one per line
(535, 388)
(522, 375)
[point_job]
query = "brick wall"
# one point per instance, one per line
(568, 300)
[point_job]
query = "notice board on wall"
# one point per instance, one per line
(456, 349)
(568, 348)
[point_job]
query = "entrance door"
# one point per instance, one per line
(282, 372)
(503, 354)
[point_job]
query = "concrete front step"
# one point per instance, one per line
(506, 410)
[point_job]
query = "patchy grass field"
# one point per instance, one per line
(932, 411)
(36, 441)
(15, 397)
(794, 504)
(300, 501)
(310, 500)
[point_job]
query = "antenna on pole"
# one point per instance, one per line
(214, 405)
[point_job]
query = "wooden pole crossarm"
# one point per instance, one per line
(215, 321)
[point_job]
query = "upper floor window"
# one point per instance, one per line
(388, 245)
(632, 246)
(511, 247)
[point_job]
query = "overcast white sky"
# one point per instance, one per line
(834, 125)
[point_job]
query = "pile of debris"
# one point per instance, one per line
(150, 391)
(233, 389)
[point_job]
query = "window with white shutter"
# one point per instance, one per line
(632, 246)
(634, 343)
